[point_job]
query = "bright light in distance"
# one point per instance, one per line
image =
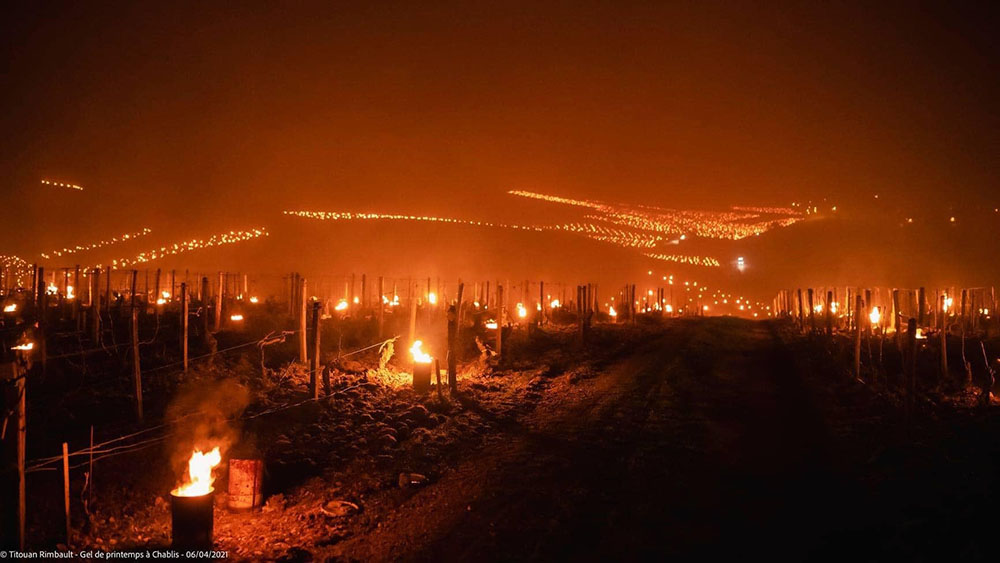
(253, 299)
(522, 312)
(341, 305)
(555, 303)
(10, 308)
(236, 317)
(491, 324)
(432, 298)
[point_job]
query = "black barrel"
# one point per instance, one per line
(192, 521)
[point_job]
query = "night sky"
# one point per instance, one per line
(204, 117)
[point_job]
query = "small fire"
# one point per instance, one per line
(26, 346)
(253, 299)
(161, 301)
(419, 356)
(920, 334)
(199, 481)
(612, 312)
(236, 318)
(432, 298)
(947, 303)
(522, 312)
(875, 316)
(491, 324)
(555, 304)
(10, 308)
(357, 300)
(816, 309)
(69, 292)
(165, 294)
(341, 305)
(669, 308)
(52, 289)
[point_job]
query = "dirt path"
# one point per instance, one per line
(704, 442)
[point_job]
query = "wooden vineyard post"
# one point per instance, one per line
(107, 292)
(315, 365)
(896, 318)
(412, 297)
(499, 320)
(437, 374)
(802, 325)
(857, 337)
(65, 464)
(184, 326)
(541, 303)
(364, 291)
(17, 376)
(303, 356)
(76, 300)
(204, 311)
(136, 370)
(921, 300)
(812, 312)
(95, 307)
(944, 348)
(829, 313)
(218, 304)
(381, 307)
(135, 276)
(452, 350)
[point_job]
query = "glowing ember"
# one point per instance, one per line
(341, 305)
(419, 356)
(10, 308)
(253, 299)
(357, 300)
(236, 317)
(875, 316)
(199, 480)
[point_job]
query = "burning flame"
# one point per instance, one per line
(920, 334)
(253, 299)
(69, 292)
(669, 308)
(491, 324)
(875, 316)
(10, 308)
(432, 298)
(27, 346)
(419, 356)
(236, 317)
(52, 289)
(947, 303)
(341, 305)
(521, 311)
(199, 474)
(161, 301)
(165, 294)
(612, 312)
(555, 303)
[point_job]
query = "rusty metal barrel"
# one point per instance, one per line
(191, 521)
(421, 377)
(245, 476)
